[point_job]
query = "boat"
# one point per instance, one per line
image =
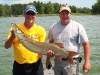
(51, 72)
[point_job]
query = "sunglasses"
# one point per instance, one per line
(30, 13)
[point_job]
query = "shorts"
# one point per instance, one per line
(28, 69)
(65, 68)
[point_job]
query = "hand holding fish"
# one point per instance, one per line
(9, 42)
(50, 53)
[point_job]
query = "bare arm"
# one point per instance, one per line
(86, 48)
(9, 41)
(49, 55)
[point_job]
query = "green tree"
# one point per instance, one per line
(40, 7)
(73, 9)
(17, 9)
(1, 7)
(56, 7)
(50, 8)
(6, 11)
(96, 7)
(45, 8)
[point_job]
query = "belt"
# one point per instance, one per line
(79, 59)
(67, 59)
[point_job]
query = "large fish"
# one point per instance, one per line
(41, 47)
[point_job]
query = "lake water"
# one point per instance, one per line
(91, 24)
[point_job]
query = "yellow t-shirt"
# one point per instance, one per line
(21, 54)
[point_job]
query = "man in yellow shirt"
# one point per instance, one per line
(25, 61)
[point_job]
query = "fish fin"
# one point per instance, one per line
(70, 57)
(60, 45)
(59, 58)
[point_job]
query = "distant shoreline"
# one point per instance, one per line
(73, 14)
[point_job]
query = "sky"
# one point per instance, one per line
(77, 3)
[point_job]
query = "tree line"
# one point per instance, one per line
(45, 8)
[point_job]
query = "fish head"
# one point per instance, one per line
(17, 31)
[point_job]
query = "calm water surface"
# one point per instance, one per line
(91, 24)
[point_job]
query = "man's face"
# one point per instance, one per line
(65, 17)
(30, 17)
